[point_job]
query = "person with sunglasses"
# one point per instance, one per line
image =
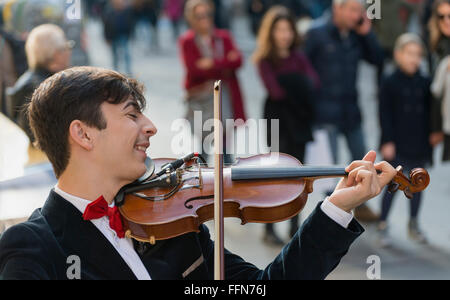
(439, 39)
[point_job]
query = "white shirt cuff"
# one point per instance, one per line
(338, 215)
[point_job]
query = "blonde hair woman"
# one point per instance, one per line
(289, 80)
(439, 27)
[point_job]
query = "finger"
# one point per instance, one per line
(364, 181)
(363, 175)
(370, 156)
(388, 172)
(368, 159)
(358, 163)
(351, 178)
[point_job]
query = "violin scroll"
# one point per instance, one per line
(418, 181)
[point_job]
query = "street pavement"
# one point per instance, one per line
(162, 74)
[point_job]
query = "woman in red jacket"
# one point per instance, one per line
(209, 54)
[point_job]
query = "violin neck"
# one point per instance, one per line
(255, 173)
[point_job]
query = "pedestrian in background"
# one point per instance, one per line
(439, 30)
(256, 10)
(210, 54)
(290, 81)
(393, 23)
(404, 109)
(222, 14)
(22, 16)
(118, 25)
(335, 50)
(174, 11)
(147, 13)
(48, 52)
(8, 75)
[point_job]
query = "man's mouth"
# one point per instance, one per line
(142, 147)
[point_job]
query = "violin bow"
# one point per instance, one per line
(219, 273)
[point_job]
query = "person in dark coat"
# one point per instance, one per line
(150, 11)
(89, 122)
(335, 50)
(290, 81)
(48, 52)
(256, 10)
(405, 108)
(118, 25)
(8, 75)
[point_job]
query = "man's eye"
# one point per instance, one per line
(133, 116)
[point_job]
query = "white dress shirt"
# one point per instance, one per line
(124, 246)
(338, 215)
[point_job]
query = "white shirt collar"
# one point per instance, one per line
(78, 202)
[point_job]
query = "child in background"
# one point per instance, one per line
(404, 110)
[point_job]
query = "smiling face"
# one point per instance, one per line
(121, 147)
(89, 119)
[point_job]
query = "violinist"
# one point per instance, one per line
(89, 122)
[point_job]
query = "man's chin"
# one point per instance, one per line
(136, 173)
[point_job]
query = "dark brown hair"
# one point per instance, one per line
(75, 94)
(266, 44)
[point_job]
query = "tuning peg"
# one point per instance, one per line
(393, 187)
(408, 193)
(400, 169)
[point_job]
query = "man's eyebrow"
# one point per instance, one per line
(132, 103)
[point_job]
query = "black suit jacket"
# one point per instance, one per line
(40, 247)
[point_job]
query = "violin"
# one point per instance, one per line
(176, 196)
(266, 188)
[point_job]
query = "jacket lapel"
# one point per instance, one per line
(99, 259)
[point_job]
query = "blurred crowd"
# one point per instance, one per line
(307, 56)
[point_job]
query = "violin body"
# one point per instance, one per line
(256, 201)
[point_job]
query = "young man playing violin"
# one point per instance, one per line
(89, 122)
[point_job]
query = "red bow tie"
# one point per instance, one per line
(99, 208)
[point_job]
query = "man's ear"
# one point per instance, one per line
(81, 134)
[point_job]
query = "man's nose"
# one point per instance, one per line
(149, 128)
